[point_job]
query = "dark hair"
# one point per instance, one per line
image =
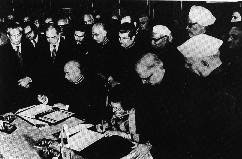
(13, 25)
(100, 24)
(79, 27)
(127, 28)
(53, 25)
(31, 25)
(120, 94)
(143, 15)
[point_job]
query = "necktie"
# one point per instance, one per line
(53, 54)
(34, 43)
(19, 55)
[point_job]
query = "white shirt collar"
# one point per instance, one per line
(15, 47)
(56, 46)
(35, 40)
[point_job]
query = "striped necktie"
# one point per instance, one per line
(53, 54)
(19, 55)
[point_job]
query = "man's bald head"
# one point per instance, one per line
(72, 64)
(150, 69)
(73, 71)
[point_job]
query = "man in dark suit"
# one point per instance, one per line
(128, 55)
(54, 53)
(84, 94)
(80, 42)
(15, 67)
(36, 40)
(102, 52)
(157, 105)
(31, 33)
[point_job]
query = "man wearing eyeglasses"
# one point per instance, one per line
(199, 19)
(161, 36)
(157, 107)
(209, 96)
(162, 45)
(31, 33)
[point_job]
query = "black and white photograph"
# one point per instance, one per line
(120, 79)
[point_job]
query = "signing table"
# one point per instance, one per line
(20, 143)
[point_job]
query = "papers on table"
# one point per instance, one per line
(78, 128)
(34, 110)
(55, 116)
(74, 129)
(35, 122)
(83, 139)
(41, 115)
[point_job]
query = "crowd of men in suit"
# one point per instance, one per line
(187, 97)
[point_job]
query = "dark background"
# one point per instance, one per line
(157, 9)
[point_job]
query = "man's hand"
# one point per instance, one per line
(102, 127)
(42, 99)
(142, 151)
(2, 125)
(99, 128)
(25, 82)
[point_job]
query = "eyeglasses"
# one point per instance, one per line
(78, 36)
(234, 37)
(189, 25)
(16, 35)
(156, 40)
(28, 33)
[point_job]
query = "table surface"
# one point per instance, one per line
(19, 144)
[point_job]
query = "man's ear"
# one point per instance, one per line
(133, 37)
(104, 33)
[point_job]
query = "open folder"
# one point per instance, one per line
(43, 115)
(83, 139)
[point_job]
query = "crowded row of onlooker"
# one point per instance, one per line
(185, 94)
